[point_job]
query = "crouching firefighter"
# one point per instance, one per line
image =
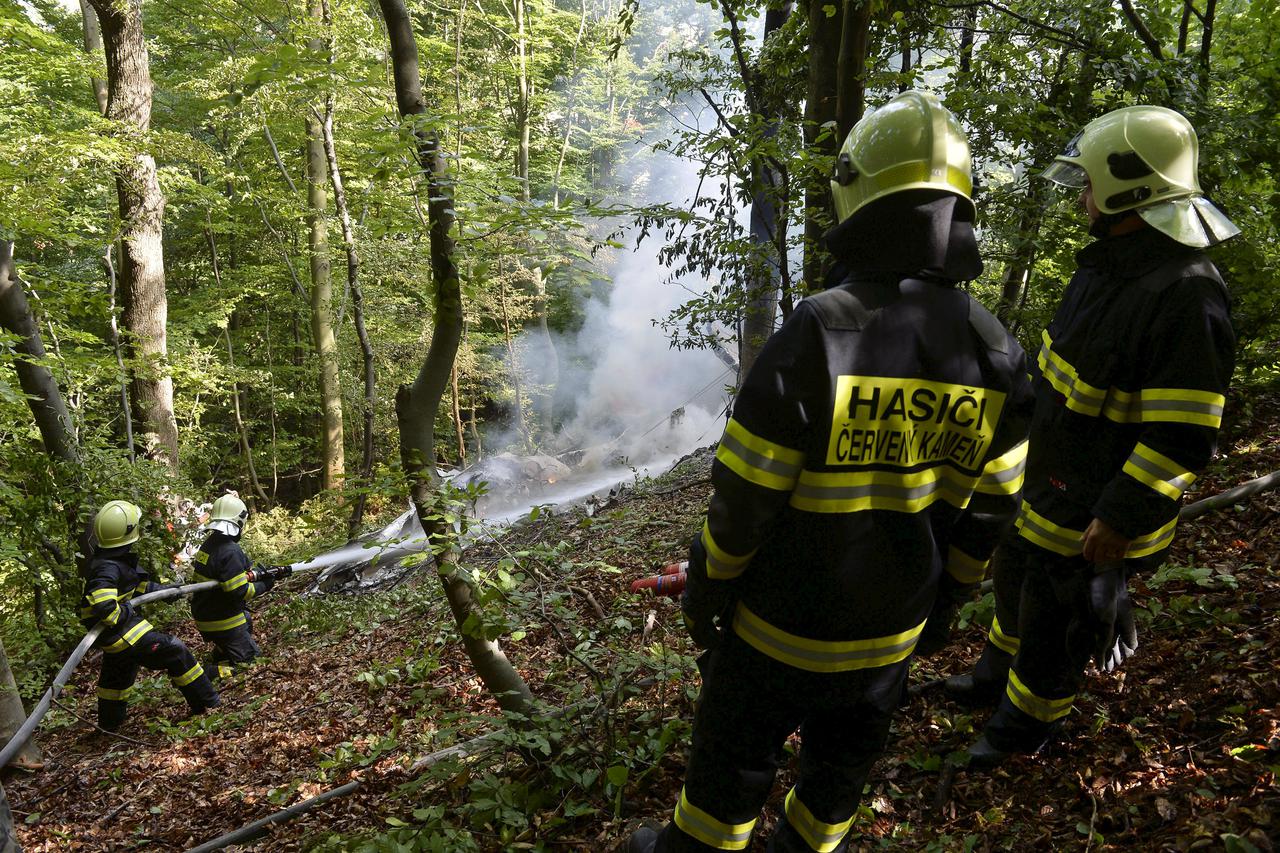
(873, 457)
(222, 614)
(1130, 383)
(129, 641)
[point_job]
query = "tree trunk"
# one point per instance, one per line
(12, 716)
(332, 459)
(8, 838)
(43, 395)
(416, 405)
(93, 44)
(357, 312)
(142, 222)
(457, 416)
(820, 133)
(768, 230)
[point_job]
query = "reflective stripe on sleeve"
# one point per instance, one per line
(250, 592)
(113, 618)
(100, 595)
(201, 557)
(232, 584)
(964, 568)
(1044, 710)
(130, 637)
(114, 695)
(696, 823)
(855, 491)
(758, 460)
(823, 655)
(721, 565)
(1061, 374)
(1158, 471)
(1000, 639)
(227, 624)
(1183, 406)
(821, 837)
(188, 676)
(141, 588)
(1038, 530)
(1004, 474)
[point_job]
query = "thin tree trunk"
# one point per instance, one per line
(970, 17)
(416, 405)
(851, 86)
(12, 716)
(41, 388)
(117, 346)
(457, 417)
(768, 229)
(357, 308)
(92, 45)
(333, 461)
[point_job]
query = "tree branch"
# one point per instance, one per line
(1140, 27)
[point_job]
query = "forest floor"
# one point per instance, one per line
(1178, 751)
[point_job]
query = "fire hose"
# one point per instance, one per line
(669, 582)
(322, 561)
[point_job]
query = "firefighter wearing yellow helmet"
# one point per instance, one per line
(1130, 384)
(872, 458)
(128, 641)
(222, 614)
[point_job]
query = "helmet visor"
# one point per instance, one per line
(1066, 174)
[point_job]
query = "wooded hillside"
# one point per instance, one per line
(339, 256)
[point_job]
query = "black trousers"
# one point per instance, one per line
(154, 650)
(232, 647)
(749, 706)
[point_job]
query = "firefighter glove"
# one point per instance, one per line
(1102, 625)
(279, 573)
(705, 604)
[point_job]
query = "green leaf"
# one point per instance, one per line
(617, 775)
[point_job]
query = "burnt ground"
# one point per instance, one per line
(1178, 751)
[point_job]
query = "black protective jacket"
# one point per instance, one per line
(1130, 383)
(876, 449)
(113, 576)
(222, 559)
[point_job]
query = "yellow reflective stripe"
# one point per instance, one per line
(823, 655)
(721, 565)
(222, 624)
(1081, 396)
(964, 568)
(1182, 405)
(1037, 529)
(232, 584)
(130, 637)
(1044, 710)
(820, 836)
(188, 676)
(100, 595)
(113, 618)
(141, 587)
(1001, 640)
(1158, 471)
(1157, 540)
(201, 557)
(855, 491)
(758, 460)
(696, 823)
(250, 592)
(1004, 474)
(115, 695)
(1041, 531)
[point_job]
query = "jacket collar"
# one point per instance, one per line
(1130, 255)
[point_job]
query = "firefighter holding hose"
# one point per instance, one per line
(129, 642)
(222, 614)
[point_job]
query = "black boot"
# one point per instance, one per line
(967, 690)
(643, 840)
(984, 756)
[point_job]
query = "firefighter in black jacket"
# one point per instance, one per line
(874, 456)
(1130, 382)
(222, 614)
(129, 641)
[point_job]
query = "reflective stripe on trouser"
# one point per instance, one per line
(750, 704)
(153, 650)
(1045, 675)
(236, 646)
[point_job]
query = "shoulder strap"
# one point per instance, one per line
(989, 329)
(1176, 269)
(838, 308)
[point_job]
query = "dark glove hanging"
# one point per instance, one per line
(1102, 626)
(705, 604)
